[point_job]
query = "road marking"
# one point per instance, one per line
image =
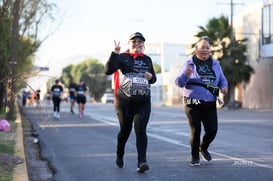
(168, 114)
(105, 119)
(169, 140)
(113, 122)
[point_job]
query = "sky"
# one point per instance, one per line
(87, 28)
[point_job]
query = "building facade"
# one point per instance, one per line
(256, 24)
(168, 56)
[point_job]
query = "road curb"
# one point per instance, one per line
(20, 172)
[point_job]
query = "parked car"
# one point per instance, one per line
(107, 98)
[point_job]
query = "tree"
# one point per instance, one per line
(235, 67)
(5, 47)
(230, 52)
(13, 60)
(157, 68)
(67, 75)
(19, 25)
(91, 71)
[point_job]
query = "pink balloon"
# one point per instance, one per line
(4, 125)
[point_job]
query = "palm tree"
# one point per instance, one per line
(235, 66)
(230, 52)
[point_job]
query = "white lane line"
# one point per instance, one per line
(105, 119)
(237, 161)
(168, 140)
(169, 114)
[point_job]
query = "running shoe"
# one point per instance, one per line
(205, 155)
(195, 162)
(143, 167)
(80, 115)
(54, 114)
(119, 162)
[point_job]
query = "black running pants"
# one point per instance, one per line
(129, 113)
(204, 113)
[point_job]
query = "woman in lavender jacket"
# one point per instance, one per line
(196, 74)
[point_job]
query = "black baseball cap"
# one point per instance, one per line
(137, 35)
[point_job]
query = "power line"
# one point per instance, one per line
(231, 4)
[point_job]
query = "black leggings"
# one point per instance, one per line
(207, 114)
(129, 112)
(56, 104)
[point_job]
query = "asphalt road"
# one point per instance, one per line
(84, 149)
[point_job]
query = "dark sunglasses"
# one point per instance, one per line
(137, 41)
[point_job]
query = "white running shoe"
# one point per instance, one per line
(80, 115)
(58, 115)
(54, 114)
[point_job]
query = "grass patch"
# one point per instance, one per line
(7, 143)
(6, 172)
(7, 146)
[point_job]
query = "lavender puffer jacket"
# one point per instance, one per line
(195, 91)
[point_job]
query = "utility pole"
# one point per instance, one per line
(232, 12)
(137, 22)
(13, 61)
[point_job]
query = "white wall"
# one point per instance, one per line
(258, 92)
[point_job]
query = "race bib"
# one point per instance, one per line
(139, 81)
(135, 84)
(81, 92)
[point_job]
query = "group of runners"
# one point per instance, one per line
(77, 94)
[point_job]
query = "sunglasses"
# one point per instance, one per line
(137, 41)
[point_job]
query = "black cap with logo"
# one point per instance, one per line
(137, 35)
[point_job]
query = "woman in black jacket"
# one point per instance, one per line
(133, 73)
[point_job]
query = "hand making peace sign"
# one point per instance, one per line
(117, 46)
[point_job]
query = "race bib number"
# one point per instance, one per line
(135, 84)
(81, 92)
(140, 81)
